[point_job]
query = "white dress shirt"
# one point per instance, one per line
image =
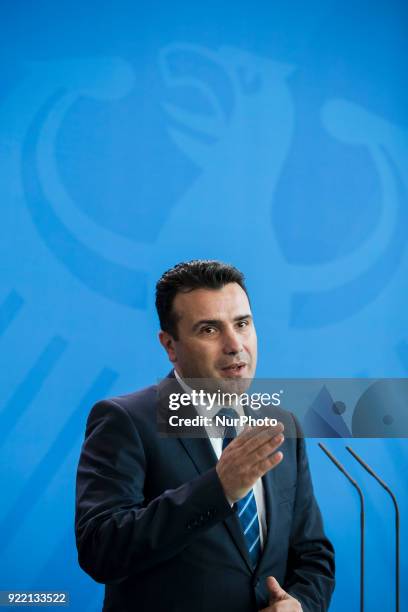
(216, 443)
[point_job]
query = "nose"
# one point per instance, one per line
(232, 342)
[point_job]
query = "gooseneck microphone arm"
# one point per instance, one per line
(362, 518)
(397, 522)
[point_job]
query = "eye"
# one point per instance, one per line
(243, 323)
(208, 330)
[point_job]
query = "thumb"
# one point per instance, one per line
(276, 593)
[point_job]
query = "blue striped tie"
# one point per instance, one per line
(246, 507)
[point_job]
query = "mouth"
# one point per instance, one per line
(235, 369)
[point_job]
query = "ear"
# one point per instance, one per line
(168, 343)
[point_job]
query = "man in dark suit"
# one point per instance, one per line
(203, 524)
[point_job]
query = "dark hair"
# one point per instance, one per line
(187, 276)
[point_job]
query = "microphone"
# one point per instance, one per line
(397, 522)
(362, 518)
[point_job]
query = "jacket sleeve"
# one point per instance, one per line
(117, 533)
(310, 567)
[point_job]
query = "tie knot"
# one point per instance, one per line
(230, 413)
(229, 429)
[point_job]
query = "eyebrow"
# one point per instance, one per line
(217, 321)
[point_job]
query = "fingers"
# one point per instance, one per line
(267, 464)
(252, 437)
(249, 457)
(259, 445)
(265, 449)
(258, 449)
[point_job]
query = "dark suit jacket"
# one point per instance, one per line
(153, 523)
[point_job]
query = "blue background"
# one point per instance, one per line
(136, 135)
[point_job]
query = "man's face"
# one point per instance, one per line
(216, 334)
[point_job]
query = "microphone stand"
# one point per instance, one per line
(362, 521)
(397, 522)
